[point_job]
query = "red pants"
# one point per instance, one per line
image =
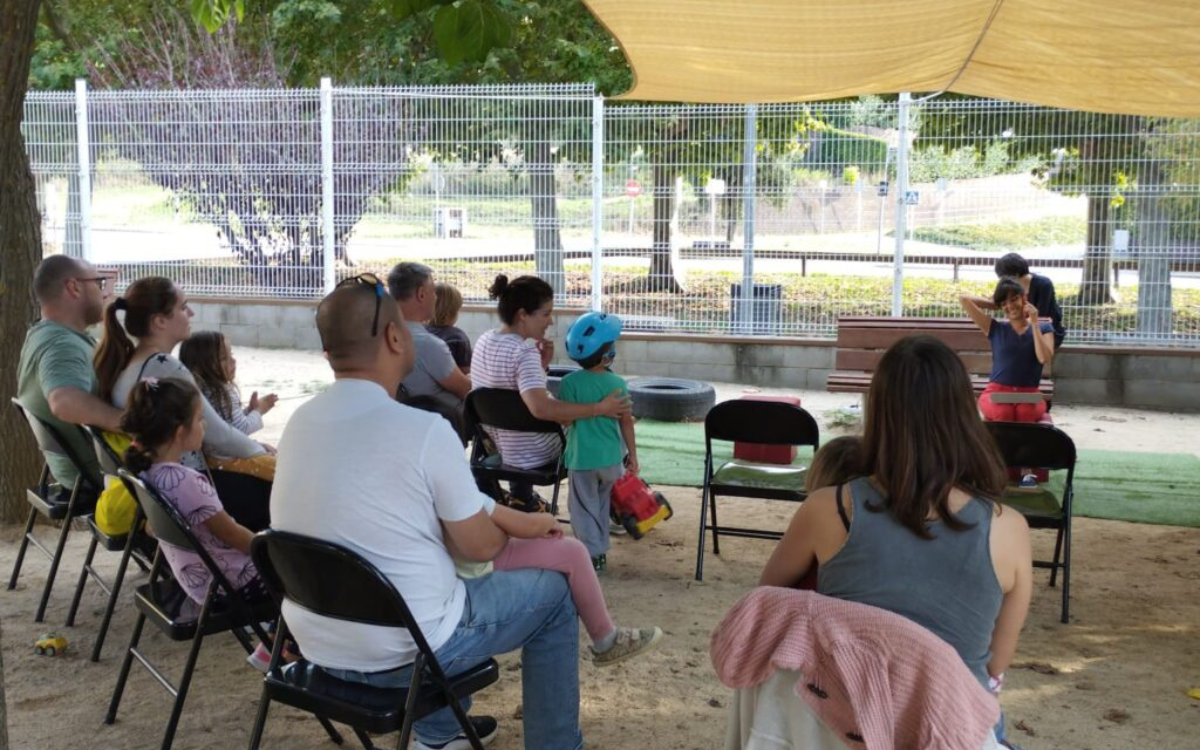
(993, 412)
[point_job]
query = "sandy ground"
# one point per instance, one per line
(1114, 678)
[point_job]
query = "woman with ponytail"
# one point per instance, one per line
(166, 420)
(155, 313)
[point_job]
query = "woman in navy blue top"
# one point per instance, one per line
(1021, 346)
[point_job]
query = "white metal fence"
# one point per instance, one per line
(660, 213)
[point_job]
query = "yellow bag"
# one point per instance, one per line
(116, 507)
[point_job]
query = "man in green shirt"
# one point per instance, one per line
(55, 377)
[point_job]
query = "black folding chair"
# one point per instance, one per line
(505, 409)
(764, 422)
(135, 545)
(333, 581)
(1042, 446)
(169, 608)
(45, 499)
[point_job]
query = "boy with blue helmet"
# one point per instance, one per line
(595, 446)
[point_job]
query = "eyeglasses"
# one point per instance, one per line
(101, 281)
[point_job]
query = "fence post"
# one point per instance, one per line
(901, 209)
(85, 170)
(749, 180)
(598, 203)
(327, 233)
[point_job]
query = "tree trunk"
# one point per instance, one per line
(543, 196)
(662, 270)
(1096, 287)
(1154, 314)
(20, 247)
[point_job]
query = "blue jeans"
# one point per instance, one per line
(527, 609)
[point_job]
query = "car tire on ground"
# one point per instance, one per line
(556, 373)
(671, 399)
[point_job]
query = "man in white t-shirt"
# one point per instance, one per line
(392, 484)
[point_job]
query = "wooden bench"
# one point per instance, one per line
(861, 342)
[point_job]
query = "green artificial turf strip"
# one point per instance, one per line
(1159, 488)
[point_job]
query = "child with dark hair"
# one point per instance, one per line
(165, 419)
(210, 359)
(837, 462)
(1039, 289)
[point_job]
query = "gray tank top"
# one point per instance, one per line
(946, 584)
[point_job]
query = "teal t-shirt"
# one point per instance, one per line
(592, 443)
(55, 356)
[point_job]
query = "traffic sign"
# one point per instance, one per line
(912, 197)
(633, 188)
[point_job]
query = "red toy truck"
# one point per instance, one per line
(638, 508)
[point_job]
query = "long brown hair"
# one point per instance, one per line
(837, 462)
(923, 435)
(143, 299)
(155, 412)
(203, 353)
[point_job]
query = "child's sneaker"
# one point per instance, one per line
(1028, 482)
(628, 643)
(260, 659)
(616, 529)
(600, 563)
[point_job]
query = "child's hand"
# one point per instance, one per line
(262, 405)
(546, 526)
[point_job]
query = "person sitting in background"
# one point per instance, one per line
(156, 313)
(210, 359)
(1039, 289)
(436, 383)
(55, 379)
(1021, 346)
(515, 357)
(442, 324)
(920, 533)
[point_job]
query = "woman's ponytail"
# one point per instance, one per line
(114, 352)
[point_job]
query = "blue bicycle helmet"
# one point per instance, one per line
(590, 335)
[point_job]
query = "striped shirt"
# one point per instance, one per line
(505, 360)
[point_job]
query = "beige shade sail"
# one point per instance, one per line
(1122, 56)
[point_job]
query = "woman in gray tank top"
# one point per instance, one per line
(918, 533)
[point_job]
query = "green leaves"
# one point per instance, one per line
(212, 14)
(468, 30)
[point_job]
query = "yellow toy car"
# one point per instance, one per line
(50, 645)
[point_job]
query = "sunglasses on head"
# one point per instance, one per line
(366, 280)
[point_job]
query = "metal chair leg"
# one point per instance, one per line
(123, 676)
(712, 499)
(84, 572)
(1066, 602)
(186, 680)
(113, 593)
(57, 558)
(16, 572)
(1058, 544)
(703, 528)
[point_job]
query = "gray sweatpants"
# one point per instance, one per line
(589, 504)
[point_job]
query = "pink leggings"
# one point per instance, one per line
(568, 556)
(993, 412)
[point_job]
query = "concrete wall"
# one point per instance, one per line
(1160, 378)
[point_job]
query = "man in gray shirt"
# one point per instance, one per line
(436, 382)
